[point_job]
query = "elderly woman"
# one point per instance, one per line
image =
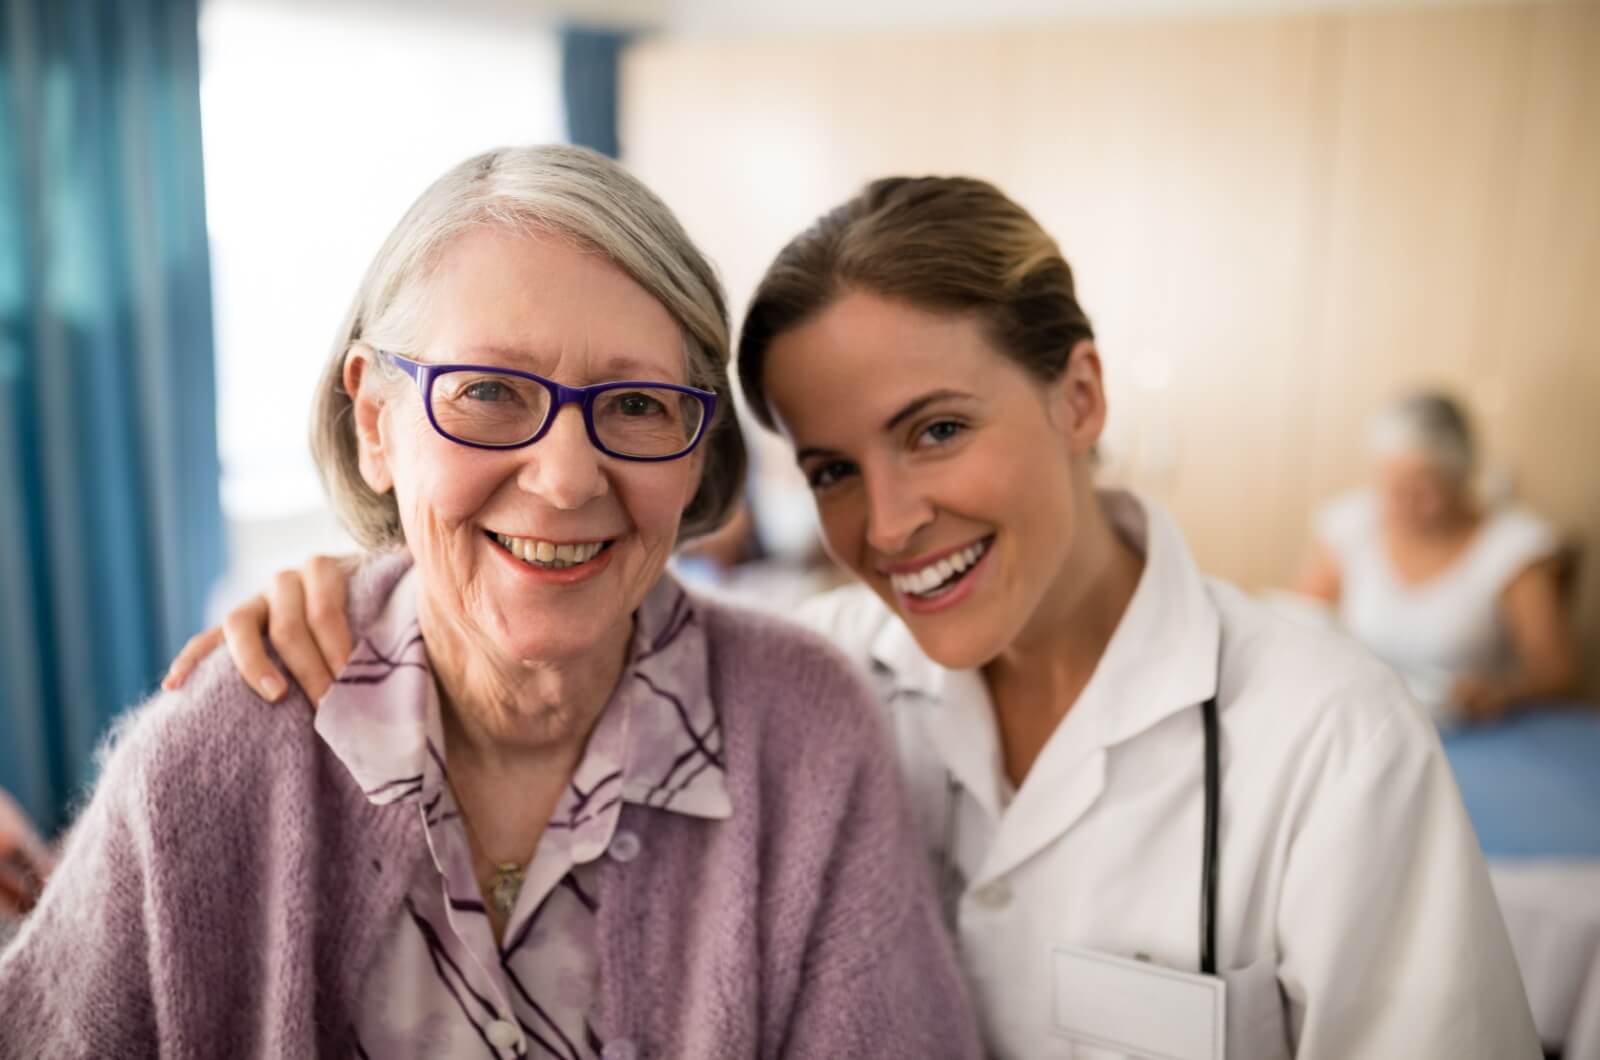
(1460, 597)
(553, 806)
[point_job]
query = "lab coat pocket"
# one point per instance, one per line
(1257, 1029)
(1112, 1006)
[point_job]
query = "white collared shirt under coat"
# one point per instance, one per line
(1355, 916)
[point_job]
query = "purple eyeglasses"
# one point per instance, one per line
(500, 408)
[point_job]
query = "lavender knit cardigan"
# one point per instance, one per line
(225, 891)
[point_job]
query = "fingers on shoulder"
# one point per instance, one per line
(242, 630)
(326, 586)
(197, 648)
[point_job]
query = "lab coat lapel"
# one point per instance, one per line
(1161, 660)
(1043, 813)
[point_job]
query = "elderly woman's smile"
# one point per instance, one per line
(539, 552)
(550, 557)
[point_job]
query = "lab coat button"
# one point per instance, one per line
(624, 846)
(619, 1049)
(502, 1035)
(996, 895)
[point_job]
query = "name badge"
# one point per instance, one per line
(1138, 1008)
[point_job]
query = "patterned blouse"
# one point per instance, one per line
(441, 986)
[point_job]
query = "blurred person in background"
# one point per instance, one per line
(1463, 598)
(25, 863)
(1159, 815)
(749, 563)
(553, 804)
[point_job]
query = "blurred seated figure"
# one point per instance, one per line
(767, 556)
(1463, 599)
(25, 861)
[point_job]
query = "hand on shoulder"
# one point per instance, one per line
(302, 612)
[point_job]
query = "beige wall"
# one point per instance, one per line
(1276, 223)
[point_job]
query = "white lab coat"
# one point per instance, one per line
(1355, 916)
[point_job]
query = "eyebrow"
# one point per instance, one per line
(618, 366)
(801, 456)
(504, 353)
(910, 409)
(916, 405)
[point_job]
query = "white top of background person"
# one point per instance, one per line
(1462, 598)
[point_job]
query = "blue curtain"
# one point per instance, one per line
(110, 523)
(589, 67)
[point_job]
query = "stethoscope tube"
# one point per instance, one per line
(1208, 852)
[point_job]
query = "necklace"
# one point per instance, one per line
(505, 887)
(506, 882)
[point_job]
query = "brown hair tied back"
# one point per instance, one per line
(949, 244)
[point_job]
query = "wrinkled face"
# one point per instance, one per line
(544, 552)
(1417, 494)
(942, 471)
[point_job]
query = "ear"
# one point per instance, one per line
(1078, 399)
(364, 385)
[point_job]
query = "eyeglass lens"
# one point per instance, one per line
(493, 409)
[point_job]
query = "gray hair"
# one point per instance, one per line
(553, 189)
(1432, 424)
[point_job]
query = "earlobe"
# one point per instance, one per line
(362, 384)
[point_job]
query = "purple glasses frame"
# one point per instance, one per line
(582, 396)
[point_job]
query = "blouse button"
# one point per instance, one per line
(620, 1049)
(503, 1035)
(624, 848)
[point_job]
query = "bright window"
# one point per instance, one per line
(322, 123)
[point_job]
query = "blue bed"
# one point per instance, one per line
(1531, 785)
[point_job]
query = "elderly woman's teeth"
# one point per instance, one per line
(547, 554)
(939, 575)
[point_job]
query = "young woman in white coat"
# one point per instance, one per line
(1051, 660)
